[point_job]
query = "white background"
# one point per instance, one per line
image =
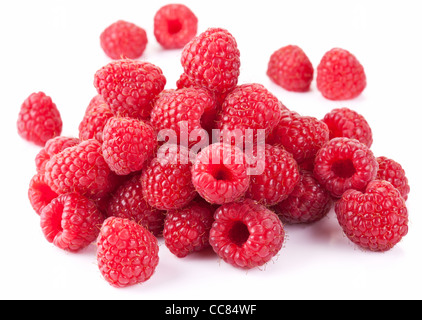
(53, 46)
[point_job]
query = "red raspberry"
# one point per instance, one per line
(394, 173)
(127, 144)
(302, 136)
(39, 119)
(344, 163)
(344, 122)
(123, 39)
(220, 173)
(187, 230)
(174, 26)
(376, 219)
(340, 76)
(71, 221)
(290, 68)
(127, 253)
(40, 193)
(278, 178)
(307, 203)
(127, 201)
(81, 169)
(212, 60)
(246, 234)
(129, 86)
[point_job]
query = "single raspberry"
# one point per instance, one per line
(123, 39)
(290, 68)
(302, 136)
(40, 193)
(129, 86)
(344, 122)
(220, 173)
(94, 120)
(174, 25)
(344, 163)
(127, 144)
(340, 76)
(246, 234)
(376, 219)
(127, 201)
(308, 202)
(81, 169)
(394, 173)
(187, 230)
(167, 180)
(39, 119)
(212, 60)
(127, 253)
(280, 174)
(71, 221)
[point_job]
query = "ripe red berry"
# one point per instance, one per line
(174, 25)
(340, 76)
(127, 253)
(123, 39)
(40, 193)
(39, 119)
(394, 173)
(246, 234)
(376, 219)
(71, 221)
(290, 68)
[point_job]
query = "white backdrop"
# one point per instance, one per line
(53, 46)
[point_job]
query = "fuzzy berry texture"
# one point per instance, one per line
(290, 68)
(220, 173)
(344, 122)
(376, 219)
(212, 60)
(39, 119)
(127, 144)
(129, 86)
(174, 26)
(277, 177)
(40, 193)
(187, 230)
(340, 76)
(394, 173)
(71, 221)
(123, 39)
(246, 234)
(127, 253)
(344, 163)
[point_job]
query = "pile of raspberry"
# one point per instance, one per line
(210, 162)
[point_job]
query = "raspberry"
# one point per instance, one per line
(344, 163)
(307, 203)
(40, 193)
(123, 39)
(376, 219)
(246, 234)
(71, 221)
(279, 177)
(127, 201)
(344, 122)
(81, 169)
(167, 181)
(127, 253)
(212, 60)
(39, 119)
(302, 136)
(129, 86)
(220, 173)
(174, 26)
(394, 173)
(127, 144)
(340, 76)
(290, 68)
(187, 230)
